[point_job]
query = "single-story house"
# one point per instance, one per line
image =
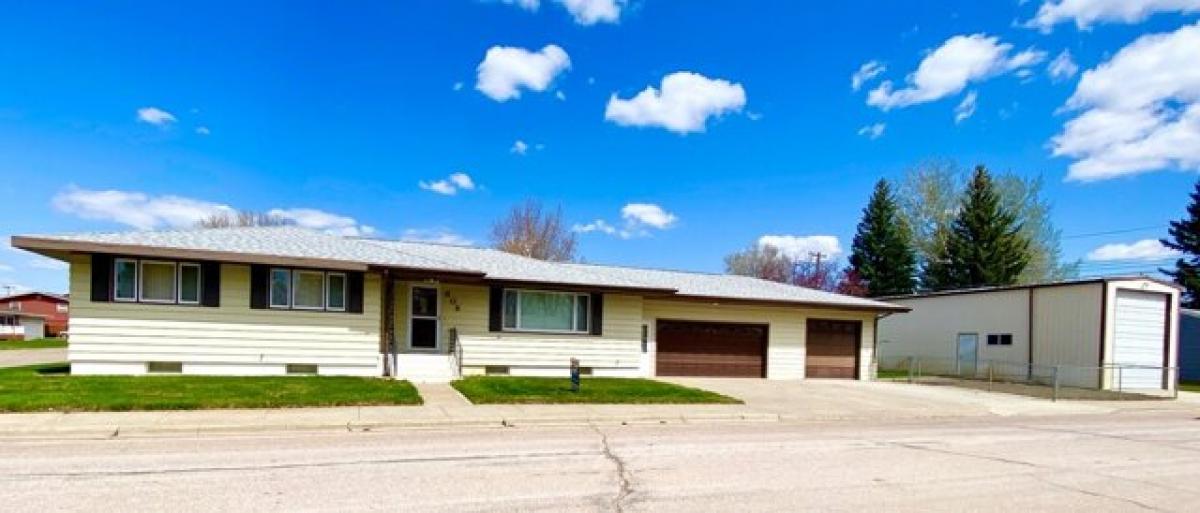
(279, 300)
(16, 325)
(1189, 344)
(1115, 332)
(54, 308)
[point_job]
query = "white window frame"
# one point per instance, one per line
(62, 308)
(271, 286)
(141, 273)
(437, 319)
(179, 283)
(296, 273)
(116, 280)
(587, 328)
(345, 291)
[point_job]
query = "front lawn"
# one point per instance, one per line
(52, 388)
(37, 343)
(519, 390)
(1189, 386)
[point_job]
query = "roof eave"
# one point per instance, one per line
(779, 302)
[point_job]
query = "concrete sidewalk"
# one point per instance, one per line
(21, 357)
(765, 401)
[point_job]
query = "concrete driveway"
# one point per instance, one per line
(819, 399)
(19, 357)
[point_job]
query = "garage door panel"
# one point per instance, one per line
(1139, 338)
(832, 349)
(710, 349)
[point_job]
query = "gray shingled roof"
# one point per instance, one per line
(291, 242)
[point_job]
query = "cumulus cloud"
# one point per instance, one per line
(155, 116)
(1138, 112)
(639, 220)
(1147, 249)
(1062, 67)
(591, 12)
(506, 70)
(966, 108)
(1086, 13)
(435, 235)
(866, 73)
(872, 131)
(801, 247)
(948, 69)
(519, 147)
(136, 209)
(684, 103)
(450, 185)
(320, 220)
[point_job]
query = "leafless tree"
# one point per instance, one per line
(761, 261)
(242, 218)
(530, 231)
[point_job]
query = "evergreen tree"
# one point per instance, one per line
(935, 268)
(882, 253)
(985, 245)
(1185, 237)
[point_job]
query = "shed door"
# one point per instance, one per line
(832, 349)
(687, 348)
(1139, 338)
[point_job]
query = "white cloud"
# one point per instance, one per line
(528, 5)
(948, 70)
(684, 104)
(519, 147)
(966, 108)
(203, 130)
(648, 214)
(314, 219)
(1086, 13)
(591, 12)
(866, 73)
(872, 131)
(800, 247)
(505, 70)
(437, 236)
(1137, 112)
(639, 220)
(1147, 249)
(136, 209)
(155, 116)
(1062, 67)
(450, 185)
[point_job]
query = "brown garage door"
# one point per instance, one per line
(688, 348)
(832, 349)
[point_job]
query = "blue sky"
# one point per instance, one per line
(361, 119)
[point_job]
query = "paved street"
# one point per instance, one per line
(19, 357)
(1116, 462)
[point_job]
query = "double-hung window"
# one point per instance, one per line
(125, 279)
(303, 289)
(154, 281)
(550, 311)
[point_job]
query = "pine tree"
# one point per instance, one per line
(882, 254)
(1185, 237)
(985, 245)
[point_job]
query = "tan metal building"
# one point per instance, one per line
(1110, 333)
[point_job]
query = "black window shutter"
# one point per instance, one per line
(354, 292)
(102, 278)
(597, 319)
(210, 283)
(496, 309)
(260, 286)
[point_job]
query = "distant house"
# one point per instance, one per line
(54, 309)
(280, 300)
(21, 326)
(1110, 333)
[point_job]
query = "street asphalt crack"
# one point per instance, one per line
(625, 487)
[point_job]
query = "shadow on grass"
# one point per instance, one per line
(55, 370)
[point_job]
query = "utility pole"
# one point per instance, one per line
(8, 290)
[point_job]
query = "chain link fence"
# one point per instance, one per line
(1054, 382)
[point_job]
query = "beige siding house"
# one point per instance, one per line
(1095, 333)
(275, 301)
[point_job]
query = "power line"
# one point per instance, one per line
(1113, 232)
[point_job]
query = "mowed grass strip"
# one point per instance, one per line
(52, 388)
(1189, 386)
(522, 390)
(37, 343)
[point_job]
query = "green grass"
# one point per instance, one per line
(37, 343)
(519, 390)
(892, 374)
(1189, 386)
(52, 388)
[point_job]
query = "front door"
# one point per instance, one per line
(423, 323)
(968, 353)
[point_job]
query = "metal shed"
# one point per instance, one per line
(1108, 333)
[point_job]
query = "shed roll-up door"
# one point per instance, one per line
(1139, 339)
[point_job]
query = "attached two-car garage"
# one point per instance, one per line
(713, 349)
